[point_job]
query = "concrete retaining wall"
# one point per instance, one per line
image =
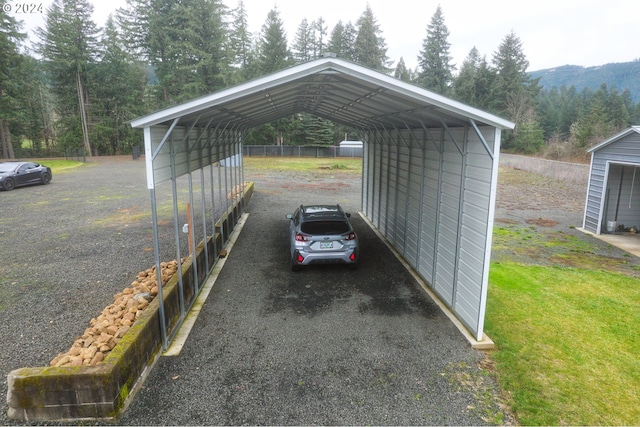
(572, 172)
(101, 393)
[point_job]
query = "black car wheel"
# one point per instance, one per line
(294, 265)
(9, 184)
(46, 178)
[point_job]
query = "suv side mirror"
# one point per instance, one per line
(289, 216)
(348, 214)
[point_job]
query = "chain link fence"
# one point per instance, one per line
(300, 151)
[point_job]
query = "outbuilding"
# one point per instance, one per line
(430, 164)
(613, 199)
(351, 148)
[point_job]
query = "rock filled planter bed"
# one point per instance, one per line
(116, 319)
(78, 385)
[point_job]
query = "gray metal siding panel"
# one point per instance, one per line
(447, 239)
(402, 199)
(595, 193)
(434, 209)
(379, 196)
(428, 233)
(413, 224)
(366, 199)
(473, 240)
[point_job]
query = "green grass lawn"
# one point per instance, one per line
(305, 164)
(568, 345)
(60, 166)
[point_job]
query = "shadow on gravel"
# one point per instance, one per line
(326, 345)
(314, 288)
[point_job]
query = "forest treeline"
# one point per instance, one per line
(77, 86)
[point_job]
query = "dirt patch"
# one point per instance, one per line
(542, 222)
(321, 186)
(525, 191)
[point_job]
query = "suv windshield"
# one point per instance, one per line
(324, 228)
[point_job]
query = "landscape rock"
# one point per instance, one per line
(112, 324)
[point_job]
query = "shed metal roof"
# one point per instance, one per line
(330, 88)
(614, 138)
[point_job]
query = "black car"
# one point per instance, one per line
(16, 174)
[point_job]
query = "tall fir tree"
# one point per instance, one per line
(342, 40)
(188, 47)
(273, 55)
(241, 46)
(120, 95)
(401, 71)
(370, 48)
(273, 51)
(69, 47)
(133, 21)
(434, 63)
(474, 83)
(514, 92)
(303, 43)
(510, 64)
(319, 37)
(10, 65)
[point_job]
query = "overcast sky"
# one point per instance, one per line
(553, 32)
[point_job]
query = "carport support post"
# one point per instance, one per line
(156, 249)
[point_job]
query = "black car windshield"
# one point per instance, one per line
(324, 228)
(7, 167)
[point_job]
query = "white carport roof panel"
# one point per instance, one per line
(328, 87)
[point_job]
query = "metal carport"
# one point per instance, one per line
(429, 169)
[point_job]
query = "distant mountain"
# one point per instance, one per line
(621, 76)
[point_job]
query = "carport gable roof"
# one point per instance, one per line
(330, 88)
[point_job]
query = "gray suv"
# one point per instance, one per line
(322, 234)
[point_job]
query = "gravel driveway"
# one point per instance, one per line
(323, 346)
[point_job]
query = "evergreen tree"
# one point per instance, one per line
(593, 127)
(10, 64)
(187, 47)
(34, 113)
(134, 20)
(209, 37)
(514, 92)
(319, 37)
(370, 49)
(119, 97)
(434, 63)
(315, 130)
(69, 48)
(342, 41)
(464, 85)
(512, 79)
(274, 54)
(474, 83)
(401, 72)
(241, 46)
(303, 43)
